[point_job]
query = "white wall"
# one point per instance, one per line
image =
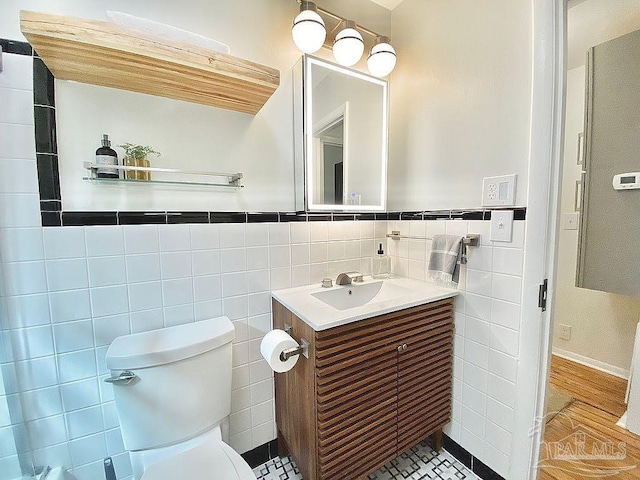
(460, 100)
(603, 325)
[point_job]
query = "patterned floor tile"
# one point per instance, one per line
(419, 463)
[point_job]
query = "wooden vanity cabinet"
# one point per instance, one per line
(369, 391)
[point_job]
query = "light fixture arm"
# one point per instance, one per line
(382, 39)
(341, 20)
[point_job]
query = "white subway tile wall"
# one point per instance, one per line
(487, 321)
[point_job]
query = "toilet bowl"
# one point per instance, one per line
(213, 459)
(172, 389)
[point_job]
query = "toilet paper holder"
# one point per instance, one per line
(302, 348)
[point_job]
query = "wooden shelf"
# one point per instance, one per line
(101, 53)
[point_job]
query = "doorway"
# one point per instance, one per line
(592, 331)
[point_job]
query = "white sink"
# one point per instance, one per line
(323, 308)
(356, 295)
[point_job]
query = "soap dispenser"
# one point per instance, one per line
(105, 155)
(380, 264)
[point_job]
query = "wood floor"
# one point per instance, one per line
(582, 441)
(588, 385)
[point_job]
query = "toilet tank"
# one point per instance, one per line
(182, 386)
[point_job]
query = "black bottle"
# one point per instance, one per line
(106, 155)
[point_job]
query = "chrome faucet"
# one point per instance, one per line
(347, 278)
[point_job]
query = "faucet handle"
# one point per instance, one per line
(358, 279)
(327, 283)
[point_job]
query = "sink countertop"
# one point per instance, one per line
(320, 316)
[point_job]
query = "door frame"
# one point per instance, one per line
(544, 190)
(327, 122)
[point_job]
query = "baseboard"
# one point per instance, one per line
(472, 463)
(261, 454)
(590, 362)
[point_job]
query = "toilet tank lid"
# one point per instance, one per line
(168, 345)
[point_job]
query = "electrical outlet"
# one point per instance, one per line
(499, 190)
(564, 331)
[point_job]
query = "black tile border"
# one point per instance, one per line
(457, 451)
(43, 84)
(51, 200)
(187, 217)
(51, 219)
(286, 217)
(89, 218)
(140, 218)
(50, 206)
(468, 460)
(343, 217)
(45, 128)
(263, 217)
(411, 216)
(81, 219)
(15, 47)
(484, 472)
(48, 178)
(261, 454)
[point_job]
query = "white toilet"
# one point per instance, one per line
(172, 389)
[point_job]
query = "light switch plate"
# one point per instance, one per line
(501, 226)
(570, 221)
(499, 190)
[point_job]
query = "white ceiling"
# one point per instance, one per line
(388, 4)
(592, 22)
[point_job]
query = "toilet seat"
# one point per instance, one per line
(212, 459)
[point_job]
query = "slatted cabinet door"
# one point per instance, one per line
(425, 366)
(356, 378)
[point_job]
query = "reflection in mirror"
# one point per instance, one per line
(345, 138)
(330, 150)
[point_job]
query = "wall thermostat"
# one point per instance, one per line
(626, 181)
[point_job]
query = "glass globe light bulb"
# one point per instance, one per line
(382, 59)
(348, 46)
(308, 31)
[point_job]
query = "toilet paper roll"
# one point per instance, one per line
(272, 345)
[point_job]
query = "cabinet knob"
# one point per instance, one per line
(399, 347)
(404, 346)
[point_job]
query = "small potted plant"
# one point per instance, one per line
(136, 156)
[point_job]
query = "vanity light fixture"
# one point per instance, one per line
(382, 58)
(309, 35)
(348, 46)
(308, 29)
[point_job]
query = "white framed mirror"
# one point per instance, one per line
(341, 118)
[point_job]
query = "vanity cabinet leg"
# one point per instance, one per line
(283, 451)
(436, 440)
